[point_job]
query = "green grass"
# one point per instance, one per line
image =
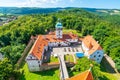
(69, 58)
(110, 76)
(73, 31)
(53, 59)
(52, 74)
(103, 71)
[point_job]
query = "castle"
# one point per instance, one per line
(44, 43)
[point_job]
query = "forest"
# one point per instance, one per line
(15, 35)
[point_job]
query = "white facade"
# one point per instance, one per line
(97, 55)
(56, 44)
(72, 40)
(33, 62)
(84, 47)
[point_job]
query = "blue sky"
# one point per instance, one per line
(62, 3)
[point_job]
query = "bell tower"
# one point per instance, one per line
(58, 27)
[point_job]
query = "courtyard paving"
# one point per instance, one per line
(67, 50)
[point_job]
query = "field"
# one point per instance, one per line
(43, 75)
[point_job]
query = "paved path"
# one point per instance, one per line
(63, 68)
(61, 51)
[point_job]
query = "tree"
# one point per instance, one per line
(6, 69)
(83, 64)
(117, 63)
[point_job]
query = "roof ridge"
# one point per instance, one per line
(87, 74)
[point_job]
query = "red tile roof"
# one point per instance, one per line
(42, 41)
(38, 47)
(92, 44)
(87, 75)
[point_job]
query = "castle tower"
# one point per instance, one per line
(58, 27)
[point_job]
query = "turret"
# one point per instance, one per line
(58, 27)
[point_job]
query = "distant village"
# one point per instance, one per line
(6, 19)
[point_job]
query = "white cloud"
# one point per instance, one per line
(72, 0)
(39, 3)
(34, 3)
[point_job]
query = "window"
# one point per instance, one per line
(99, 56)
(97, 59)
(94, 56)
(30, 57)
(38, 61)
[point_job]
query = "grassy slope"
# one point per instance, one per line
(44, 75)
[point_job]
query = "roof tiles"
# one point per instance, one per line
(42, 41)
(92, 44)
(87, 75)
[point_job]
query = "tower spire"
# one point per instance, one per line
(58, 27)
(91, 65)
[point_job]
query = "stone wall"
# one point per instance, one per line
(52, 65)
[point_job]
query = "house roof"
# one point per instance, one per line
(94, 48)
(42, 41)
(69, 36)
(38, 47)
(52, 37)
(92, 44)
(87, 75)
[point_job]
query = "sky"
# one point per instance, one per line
(109, 4)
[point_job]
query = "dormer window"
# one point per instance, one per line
(94, 56)
(99, 56)
(97, 52)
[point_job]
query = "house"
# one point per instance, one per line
(45, 42)
(87, 75)
(92, 49)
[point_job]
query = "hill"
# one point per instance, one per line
(26, 10)
(103, 12)
(36, 10)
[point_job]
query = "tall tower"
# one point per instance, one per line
(58, 27)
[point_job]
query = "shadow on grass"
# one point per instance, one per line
(106, 67)
(41, 73)
(50, 72)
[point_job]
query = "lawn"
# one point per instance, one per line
(69, 58)
(52, 74)
(53, 59)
